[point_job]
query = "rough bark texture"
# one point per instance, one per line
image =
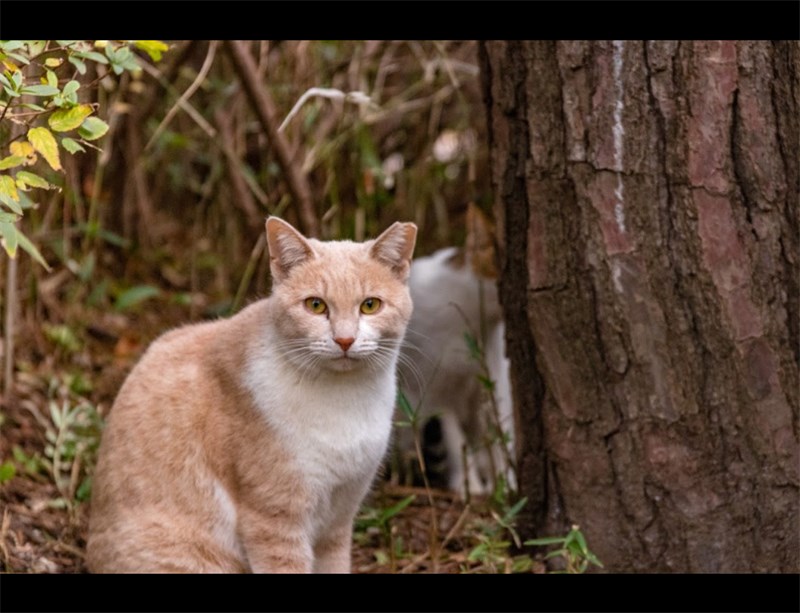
(647, 205)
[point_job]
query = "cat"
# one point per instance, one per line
(454, 292)
(247, 444)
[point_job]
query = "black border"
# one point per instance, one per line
(594, 592)
(548, 20)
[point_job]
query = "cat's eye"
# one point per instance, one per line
(370, 306)
(316, 305)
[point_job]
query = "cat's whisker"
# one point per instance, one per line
(418, 333)
(411, 368)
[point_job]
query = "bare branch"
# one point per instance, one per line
(263, 105)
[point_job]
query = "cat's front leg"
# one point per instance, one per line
(332, 551)
(274, 543)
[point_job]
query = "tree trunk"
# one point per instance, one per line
(647, 214)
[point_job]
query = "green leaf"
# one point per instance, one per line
(512, 512)
(64, 337)
(92, 55)
(31, 250)
(593, 559)
(8, 217)
(65, 43)
(71, 145)
(52, 79)
(12, 161)
(10, 238)
(93, 128)
(33, 180)
(549, 540)
(20, 58)
(11, 45)
(45, 143)
(474, 349)
(5, 82)
(35, 47)
(40, 90)
(68, 119)
(477, 553)
(387, 514)
(521, 564)
(7, 471)
(134, 296)
(11, 204)
(405, 406)
(486, 382)
(153, 48)
(70, 88)
(8, 188)
(77, 63)
(84, 491)
(581, 541)
(33, 107)
(55, 414)
(556, 553)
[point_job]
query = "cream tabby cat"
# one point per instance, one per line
(248, 444)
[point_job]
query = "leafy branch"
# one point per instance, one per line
(43, 110)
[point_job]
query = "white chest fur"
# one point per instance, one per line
(336, 428)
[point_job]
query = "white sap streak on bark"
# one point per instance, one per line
(619, 132)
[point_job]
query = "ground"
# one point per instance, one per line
(64, 386)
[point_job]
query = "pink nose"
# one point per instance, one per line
(344, 343)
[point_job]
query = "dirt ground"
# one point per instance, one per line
(41, 533)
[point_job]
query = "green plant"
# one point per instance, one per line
(373, 519)
(573, 550)
(31, 465)
(7, 471)
(492, 552)
(72, 441)
(495, 435)
(44, 109)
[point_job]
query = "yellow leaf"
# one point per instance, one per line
(44, 142)
(53, 62)
(8, 188)
(12, 161)
(65, 120)
(10, 65)
(153, 48)
(24, 149)
(28, 179)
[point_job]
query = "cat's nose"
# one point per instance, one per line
(344, 343)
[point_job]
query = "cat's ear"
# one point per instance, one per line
(480, 243)
(287, 248)
(395, 246)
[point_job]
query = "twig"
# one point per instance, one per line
(212, 49)
(326, 92)
(258, 249)
(262, 104)
(242, 197)
(185, 106)
(166, 76)
(8, 348)
(3, 532)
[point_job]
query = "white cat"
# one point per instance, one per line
(454, 294)
(247, 444)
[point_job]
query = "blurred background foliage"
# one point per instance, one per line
(170, 210)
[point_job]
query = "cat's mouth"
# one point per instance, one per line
(344, 362)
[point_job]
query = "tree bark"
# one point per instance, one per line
(647, 213)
